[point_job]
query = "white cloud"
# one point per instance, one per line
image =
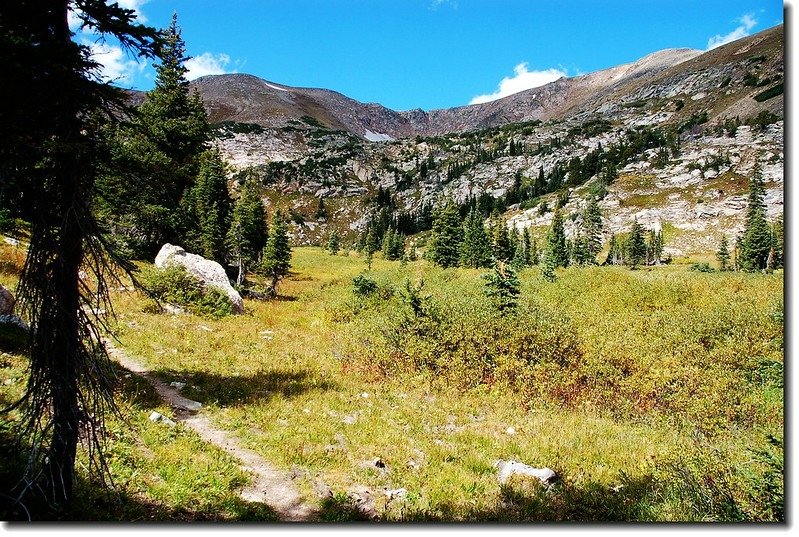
(522, 80)
(747, 22)
(135, 5)
(74, 21)
(207, 64)
(115, 65)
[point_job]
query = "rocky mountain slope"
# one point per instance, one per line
(719, 112)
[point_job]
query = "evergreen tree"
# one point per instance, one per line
(548, 265)
(519, 260)
(503, 249)
(388, 240)
(475, 251)
(592, 229)
(535, 254)
(756, 240)
(333, 243)
(502, 287)
(527, 246)
(248, 232)
(636, 245)
(778, 241)
(614, 252)
(556, 242)
(161, 148)
(52, 151)
(446, 236)
(209, 208)
(276, 258)
(723, 255)
(393, 245)
(654, 247)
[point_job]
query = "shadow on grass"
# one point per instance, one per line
(96, 503)
(527, 502)
(223, 390)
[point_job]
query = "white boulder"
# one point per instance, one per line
(506, 469)
(209, 272)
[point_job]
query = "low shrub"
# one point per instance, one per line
(174, 285)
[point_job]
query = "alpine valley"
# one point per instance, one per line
(686, 128)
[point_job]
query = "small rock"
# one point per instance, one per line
(204, 328)
(11, 241)
(350, 419)
(510, 430)
(178, 385)
(506, 469)
(173, 310)
(192, 406)
(365, 395)
(157, 417)
(8, 382)
(396, 493)
(7, 301)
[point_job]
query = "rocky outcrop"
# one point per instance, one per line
(209, 272)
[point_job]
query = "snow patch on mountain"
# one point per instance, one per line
(377, 136)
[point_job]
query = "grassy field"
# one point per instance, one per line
(654, 394)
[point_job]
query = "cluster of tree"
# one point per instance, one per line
(638, 247)
(468, 242)
(180, 193)
(760, 247)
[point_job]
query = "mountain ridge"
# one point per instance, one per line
(250, 99)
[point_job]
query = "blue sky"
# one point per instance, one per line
(432, 53)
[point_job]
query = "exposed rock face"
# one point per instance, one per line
(209, 272)
(7, 301)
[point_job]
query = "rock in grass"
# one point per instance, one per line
(208, 271)
(506, 469)
(7, 301)
(157, 417)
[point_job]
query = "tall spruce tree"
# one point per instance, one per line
(446, 236)
(248, 231)
(52, 151)
(778, 241)
(636, 245)
(527, 245)
(334, 243)
(723, 254)
(160, 149)
(592, 229)
(756, 240)
(556, 247)
(475, 251)
(503, 249)
(502, 287)
(276, 258)
(209, 209)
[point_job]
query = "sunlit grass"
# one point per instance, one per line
(663, 352)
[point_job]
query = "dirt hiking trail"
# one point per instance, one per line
(270, 486)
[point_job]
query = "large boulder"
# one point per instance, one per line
(209, 272)
(7, 301)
